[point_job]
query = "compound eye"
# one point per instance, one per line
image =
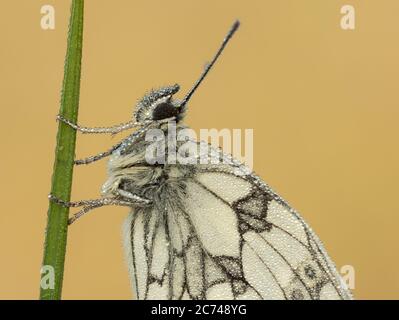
(157, 105)
(164, 110)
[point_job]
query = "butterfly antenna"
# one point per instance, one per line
(209, 65)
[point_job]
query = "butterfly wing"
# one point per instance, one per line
(222, 233)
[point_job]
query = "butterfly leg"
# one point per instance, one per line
(132, 196)
(74, 204)
(88, 205)
(122, 146)
(97, 156)
(112, 130)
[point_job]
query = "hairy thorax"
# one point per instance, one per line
(158, 182)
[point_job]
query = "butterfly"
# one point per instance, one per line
(210, 230)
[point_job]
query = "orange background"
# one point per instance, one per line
(322, 102)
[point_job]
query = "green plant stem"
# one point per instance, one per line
(57, 223)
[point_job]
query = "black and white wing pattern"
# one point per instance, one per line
(221, 233)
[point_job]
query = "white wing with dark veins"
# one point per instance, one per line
(229, 237)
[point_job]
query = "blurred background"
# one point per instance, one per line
(323, 103)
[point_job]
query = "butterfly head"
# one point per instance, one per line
(159, 104)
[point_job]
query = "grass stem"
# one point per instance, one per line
(57, 221)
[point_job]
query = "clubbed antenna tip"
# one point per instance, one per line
(208, 66)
